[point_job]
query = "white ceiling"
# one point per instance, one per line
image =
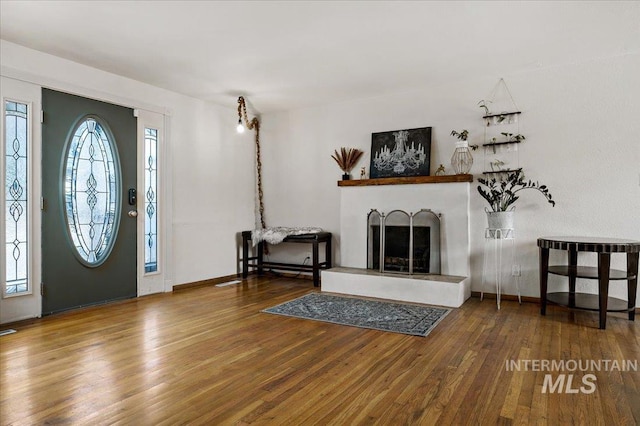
(286, 54)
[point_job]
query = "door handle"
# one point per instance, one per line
(133, 213)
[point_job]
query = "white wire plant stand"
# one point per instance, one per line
(495, 260)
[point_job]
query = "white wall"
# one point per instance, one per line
(580, 119)
(210, 181)
(581, 123)
(213, 197)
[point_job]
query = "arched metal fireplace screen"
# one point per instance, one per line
(403, 242)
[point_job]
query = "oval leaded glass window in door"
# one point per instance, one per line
(91, 190)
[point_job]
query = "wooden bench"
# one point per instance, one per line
(257, 261)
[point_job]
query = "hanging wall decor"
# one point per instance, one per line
(254, 124)
(400, 153)
(501, 131)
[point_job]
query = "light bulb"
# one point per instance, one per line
(240, 127)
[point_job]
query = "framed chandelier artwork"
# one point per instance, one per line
(400, 153)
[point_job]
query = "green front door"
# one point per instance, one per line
(88, 218)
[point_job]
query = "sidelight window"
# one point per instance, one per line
(151, 200)
(15, 205)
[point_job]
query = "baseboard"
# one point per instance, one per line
(268, 271)
(301, 275)
(204, 283)
(526, 299)
(226, 278)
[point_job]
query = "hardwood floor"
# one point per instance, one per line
(207, 355)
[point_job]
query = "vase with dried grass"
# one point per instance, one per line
(347, 158)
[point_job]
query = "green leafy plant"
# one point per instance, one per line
(463, 135)
(507, 136)
(496, 165)
(502, 194)
(510, 137)
(483, 104)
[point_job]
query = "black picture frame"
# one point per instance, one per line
(400, 153)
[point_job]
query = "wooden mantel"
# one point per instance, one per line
(406, 180)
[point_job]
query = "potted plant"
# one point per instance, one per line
(462, 159)
(347, 159)
(483, 104)
(502, 195)
(510, 137)
(462, 135)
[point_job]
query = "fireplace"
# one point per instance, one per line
(403, 243)
(448, 197)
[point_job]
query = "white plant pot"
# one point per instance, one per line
(500, 220)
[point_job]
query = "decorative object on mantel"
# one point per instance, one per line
(406, 318)
(277, 234)
(347, 159)
(254, 124)
(400, 153)
(501, 131)
(501, 196)
(440, 171)
(462, 160)
(363, 172)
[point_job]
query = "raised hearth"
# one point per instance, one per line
(431, 289)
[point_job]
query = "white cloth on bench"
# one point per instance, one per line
(276, 234)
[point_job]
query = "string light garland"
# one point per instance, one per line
(253, 124)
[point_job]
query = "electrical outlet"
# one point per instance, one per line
(515, 270)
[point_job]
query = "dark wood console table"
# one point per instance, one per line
(315, 267)
(601, 302)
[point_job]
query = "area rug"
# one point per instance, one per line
(417, 320)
